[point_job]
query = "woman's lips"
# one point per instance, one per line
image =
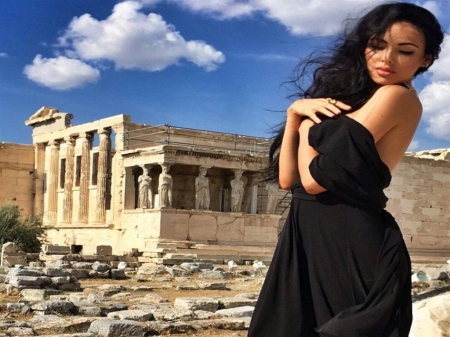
(385, 71)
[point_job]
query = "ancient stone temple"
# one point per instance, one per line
(153, 188)
(165, 190)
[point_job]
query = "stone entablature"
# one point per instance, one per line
(172, 154)
(141, 136)
(116, 123)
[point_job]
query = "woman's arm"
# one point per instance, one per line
(306, 154)
(289, 152)
(288, 172)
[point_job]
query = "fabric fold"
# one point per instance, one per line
(341, 267)
(349, 166)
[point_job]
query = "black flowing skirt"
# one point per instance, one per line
(341, 267)
(325, 263)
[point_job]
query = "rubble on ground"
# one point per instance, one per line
(59, 299)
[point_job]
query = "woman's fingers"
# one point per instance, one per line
(342, 106)
(311, 108)
(336, 106)
(329, 110)
(314, 118)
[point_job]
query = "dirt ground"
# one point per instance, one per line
(216, 333)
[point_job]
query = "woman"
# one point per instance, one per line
(341, 267)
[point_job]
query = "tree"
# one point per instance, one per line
(28, 233)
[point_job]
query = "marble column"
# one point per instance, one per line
(52, 183)
(39, 179)
(102, 174)
(68, 180)
(119, 176)
(83, 211)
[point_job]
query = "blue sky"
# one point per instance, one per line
(215, 65)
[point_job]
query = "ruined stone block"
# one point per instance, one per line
(55, 249)
(104, 250)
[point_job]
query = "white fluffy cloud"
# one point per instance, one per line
(60, 73)
(435, 96)
(441, 68)
(299, 17)
(313, 17)
(222, 9)
(432, 6)
(133, 40)
(128, 38)
(436, 106)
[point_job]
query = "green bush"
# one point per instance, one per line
(28, 233)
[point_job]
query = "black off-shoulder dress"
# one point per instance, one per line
(341, 267)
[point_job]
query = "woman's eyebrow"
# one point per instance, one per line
(408, 44)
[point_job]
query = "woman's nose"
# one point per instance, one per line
(387, 55)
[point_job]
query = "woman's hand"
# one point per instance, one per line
(311, 107)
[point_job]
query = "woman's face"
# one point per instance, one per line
(395, 57)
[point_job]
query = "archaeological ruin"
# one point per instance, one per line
(165, 190)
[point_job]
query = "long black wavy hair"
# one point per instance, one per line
(342, 73)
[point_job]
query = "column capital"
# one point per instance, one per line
(40, 146)
(104, 131)
(53, 143)
(253, 178)
(238, 172)
(85, 135)
(69, 140)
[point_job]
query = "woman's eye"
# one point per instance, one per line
(375, 47)
(405, 52)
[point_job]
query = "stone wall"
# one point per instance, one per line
(420, 201)
(16, 175)
(144, 229)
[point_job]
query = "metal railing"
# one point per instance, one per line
(196, 140)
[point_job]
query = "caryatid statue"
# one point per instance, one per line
(237, 191)
(145, 190)
(272, 197)
(202, 194)
(165, 187)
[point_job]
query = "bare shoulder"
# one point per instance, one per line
(396, 100)
(391, 106)
(393, 119)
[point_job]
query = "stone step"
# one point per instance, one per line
(429, 255)
(230, 248)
